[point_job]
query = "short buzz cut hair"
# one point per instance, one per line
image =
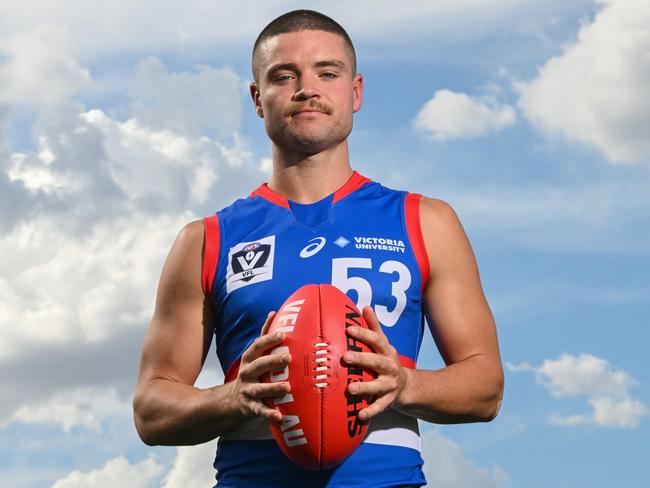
(299, 20)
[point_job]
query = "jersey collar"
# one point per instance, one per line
(355, 182)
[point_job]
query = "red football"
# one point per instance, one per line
(320, 425)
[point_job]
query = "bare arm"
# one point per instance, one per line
(168, 409)
(470, 387)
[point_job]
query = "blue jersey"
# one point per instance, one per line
(364, 239)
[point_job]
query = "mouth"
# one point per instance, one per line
(310, 111)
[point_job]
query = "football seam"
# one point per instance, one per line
(321, 396)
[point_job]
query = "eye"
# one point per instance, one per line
(283, 78)
(329, 75)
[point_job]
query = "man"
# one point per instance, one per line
(395, 254)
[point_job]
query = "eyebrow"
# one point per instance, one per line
(336, 63)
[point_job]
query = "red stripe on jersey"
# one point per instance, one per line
(232, 371)
(406, 362)
(265, 192)
(210, 253)
(356, 181)
(414, 231)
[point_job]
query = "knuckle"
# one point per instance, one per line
(255, 390)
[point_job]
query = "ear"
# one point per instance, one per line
(357, 92)
(255, 95)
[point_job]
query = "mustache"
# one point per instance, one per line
(311, 105)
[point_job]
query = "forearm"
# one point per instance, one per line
(467, 391)
(171, 413)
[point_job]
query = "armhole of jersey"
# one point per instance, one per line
(210, 253)
(414, 231)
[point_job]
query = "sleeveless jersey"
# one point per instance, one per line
(364, 239)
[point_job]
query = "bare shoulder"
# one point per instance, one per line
(437, 212)
(191, 234)
(188, 241)
(182, 268)
(439, 220)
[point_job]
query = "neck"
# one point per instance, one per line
(310, 178)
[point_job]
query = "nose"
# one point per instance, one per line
(306, 88)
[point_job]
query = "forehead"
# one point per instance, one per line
(303, 47)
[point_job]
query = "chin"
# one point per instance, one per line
(317, 142)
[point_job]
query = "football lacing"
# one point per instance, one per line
(322, 351)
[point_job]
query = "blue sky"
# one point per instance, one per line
(530, 118)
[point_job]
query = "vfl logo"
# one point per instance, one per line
(250, 262)
(310, 249)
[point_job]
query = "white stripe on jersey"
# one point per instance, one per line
(389, 428)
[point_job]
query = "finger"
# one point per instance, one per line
(262, 410)
(265, 364)
(371, 319)
(259, 391)
(260, 345)
(369, 388)
(267, 322)
(378, 343)
(370, 360)
(377, 407)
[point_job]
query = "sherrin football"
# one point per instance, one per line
(320, 424)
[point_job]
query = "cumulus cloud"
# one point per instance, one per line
(595, 91)
(587, 375)
(85, 407)
(446, 466)
(266, 166)
(192, 466)
(39, 67)
(91, 212)
(186, 102)
(124, 26)
(60, 289)
(452, 115)
(116, 472)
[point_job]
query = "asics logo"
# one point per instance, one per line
(316, 245)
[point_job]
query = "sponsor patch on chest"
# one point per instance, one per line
(379, 244)
(250, 262)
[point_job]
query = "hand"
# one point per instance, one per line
(248, 390)
(384, 361)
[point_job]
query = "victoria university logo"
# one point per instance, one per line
(250, 262)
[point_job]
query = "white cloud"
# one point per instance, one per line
(39, 67)
(618, 413)
(192, 466)
(451, 115)
(266, 166)
(86, 219)
(207, 101)
(446, 466)
(117, 472)
(125, 25)
(85, 407)
(582, 375)
(185, 167)
(59, 288)
(595, 92)
(606, 387)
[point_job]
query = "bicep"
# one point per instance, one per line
(179, 336)
(458, 313)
